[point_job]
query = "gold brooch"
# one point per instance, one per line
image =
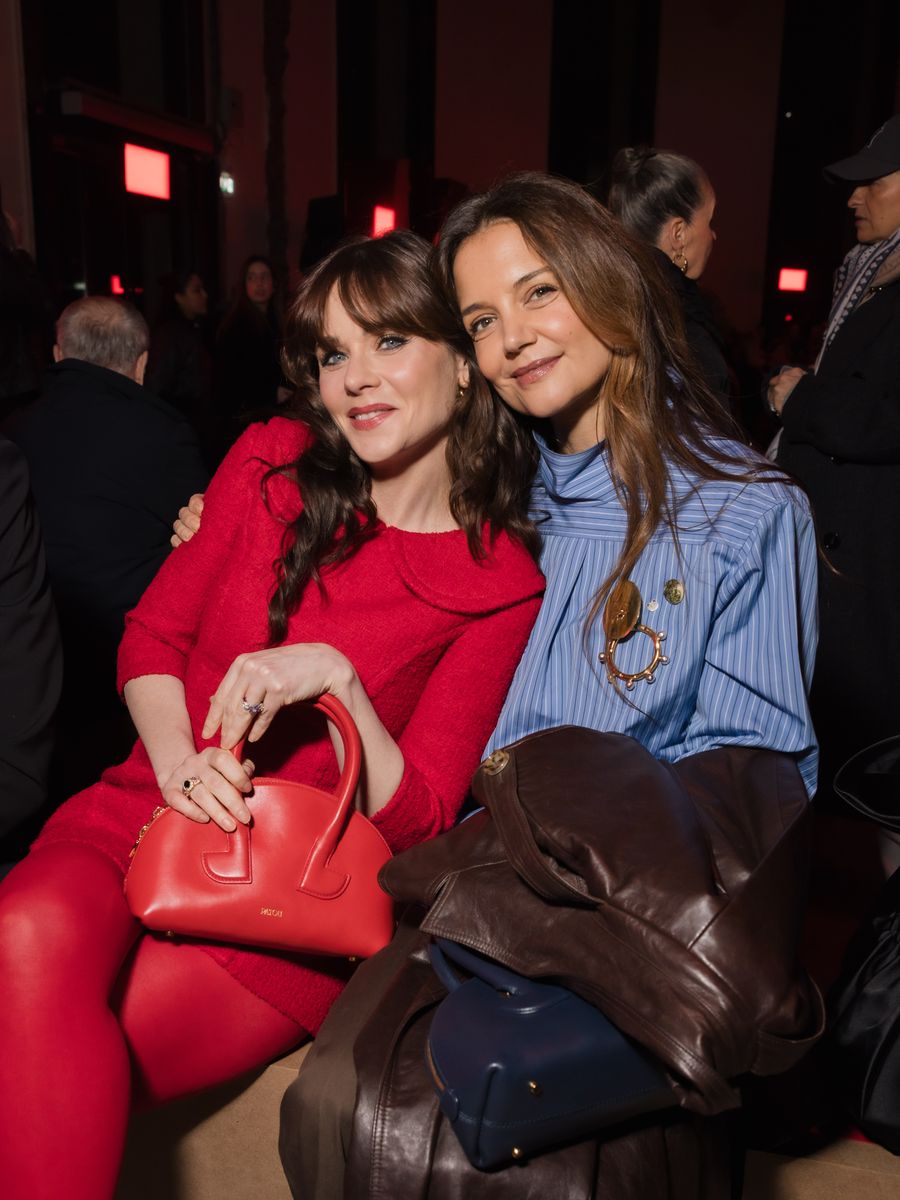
(621, 618)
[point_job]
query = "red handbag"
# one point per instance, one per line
(301, 876)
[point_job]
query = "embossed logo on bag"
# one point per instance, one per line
(271, 912)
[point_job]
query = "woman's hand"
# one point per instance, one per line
(257, 685)
(187, 522)
(210, 785)
(781, 387)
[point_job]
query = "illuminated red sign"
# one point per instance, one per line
(115, 285)
(146, 172)
(383, 220)
(792, 279)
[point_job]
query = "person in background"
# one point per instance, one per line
(108, 461)
(248, 381)
(179, 368)
(25, 324)
(379, 550)
(667, 201)
(840, 437)
(30, 657)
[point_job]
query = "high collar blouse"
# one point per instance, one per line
(735, 599)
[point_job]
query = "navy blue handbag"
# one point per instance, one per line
(520, 1067)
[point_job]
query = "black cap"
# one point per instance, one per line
(880, 156)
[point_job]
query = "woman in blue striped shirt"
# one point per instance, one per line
(575, 331)
(572, 327)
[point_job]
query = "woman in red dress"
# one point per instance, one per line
(377, 550)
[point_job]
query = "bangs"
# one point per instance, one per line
(383, 284)
(375, 302)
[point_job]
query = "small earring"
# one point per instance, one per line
(680, 261)
(462, 392)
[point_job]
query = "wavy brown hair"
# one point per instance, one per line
(385, 284)
(657, 410)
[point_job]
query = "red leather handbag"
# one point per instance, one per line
(301, 876)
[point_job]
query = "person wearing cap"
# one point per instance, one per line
(841, 439)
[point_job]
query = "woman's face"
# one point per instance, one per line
(259, 284)
(390, 394)
(192, 301)
(698, 234)
(530, 343)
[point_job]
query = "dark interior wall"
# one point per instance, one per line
(716, 101)
(15, 159)
(603, 92)
(492, 111)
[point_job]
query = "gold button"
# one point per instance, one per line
(674, 591)
(534, 1088)
(516, 1152)
(494, 763)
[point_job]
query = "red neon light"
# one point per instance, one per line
(146, 172)
(383, 220)
(792, 279)
(115, 285)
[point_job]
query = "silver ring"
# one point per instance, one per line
(189, 784)
(255, 710)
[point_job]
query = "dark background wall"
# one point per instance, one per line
(319, 109)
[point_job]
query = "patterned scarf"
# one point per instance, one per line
(852, 280)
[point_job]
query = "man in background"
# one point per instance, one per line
(110, 463)
(841, 439)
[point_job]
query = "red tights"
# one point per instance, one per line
(94, 1015)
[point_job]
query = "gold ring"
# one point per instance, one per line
(189, 784)
(255, 710)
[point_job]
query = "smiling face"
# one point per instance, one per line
(530, 343)
(390, 394)
(876, 208)
(259, 284)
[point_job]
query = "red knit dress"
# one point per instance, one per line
(433, 635)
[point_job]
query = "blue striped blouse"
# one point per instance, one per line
(740, 643)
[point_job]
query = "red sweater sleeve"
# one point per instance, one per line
(444, 739)
(162, 630)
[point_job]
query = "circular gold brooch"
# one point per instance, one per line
(621, 619)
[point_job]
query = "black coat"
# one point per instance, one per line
(703, 335)
(30, 650)
(110, 464)
(841, 439)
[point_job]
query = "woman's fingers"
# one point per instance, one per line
(216, 792)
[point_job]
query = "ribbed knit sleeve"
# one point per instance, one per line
(457, 710)
(162, 629)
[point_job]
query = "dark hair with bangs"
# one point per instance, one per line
(657, 409)
(386, 286)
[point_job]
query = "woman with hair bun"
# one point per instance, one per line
(667, 201)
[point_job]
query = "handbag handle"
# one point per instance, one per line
(318, 878)
(444, 952)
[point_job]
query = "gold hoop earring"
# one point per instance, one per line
(461, 392)
(680, 261)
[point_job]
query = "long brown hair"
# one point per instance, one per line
(658, 412)
(386, 286)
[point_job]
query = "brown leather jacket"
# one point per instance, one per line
(668, 895)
